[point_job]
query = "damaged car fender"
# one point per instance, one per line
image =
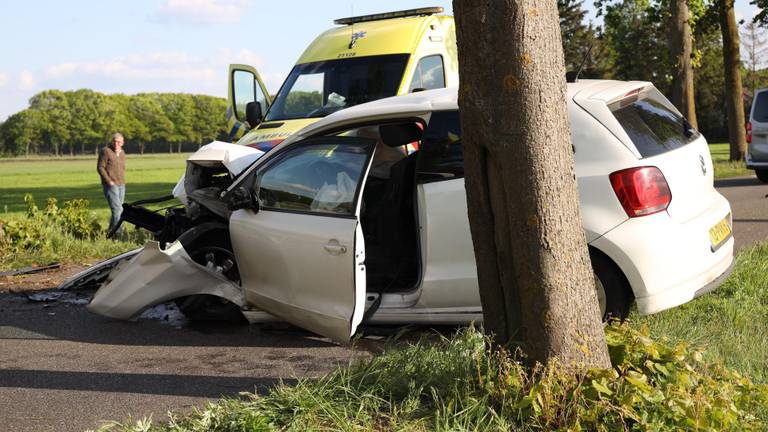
(156, 276)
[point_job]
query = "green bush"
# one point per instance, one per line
(68, 233)
(462, 383)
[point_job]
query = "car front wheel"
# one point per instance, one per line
(762, 175)
(211, 249)
(613, 291)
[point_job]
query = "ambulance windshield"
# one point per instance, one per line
(320, 88)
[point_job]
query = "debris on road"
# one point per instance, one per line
(166, 313)
(60, 297)
(30, 270)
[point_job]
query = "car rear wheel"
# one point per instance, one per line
(762, 175)
(213, 250)
(613, 291)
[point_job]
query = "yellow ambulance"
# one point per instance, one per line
(363, 59)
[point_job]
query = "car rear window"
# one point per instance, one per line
(760, 111)
(652, 127)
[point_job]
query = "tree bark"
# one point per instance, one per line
(733, 91)
(681, 47)
(536, 281)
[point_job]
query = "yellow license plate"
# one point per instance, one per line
(719, 233)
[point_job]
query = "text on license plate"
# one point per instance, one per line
(719, 233)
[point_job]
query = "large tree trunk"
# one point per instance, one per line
(681, 47)
(536, 282)
(734, 101)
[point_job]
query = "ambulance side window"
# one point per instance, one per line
(429, 74)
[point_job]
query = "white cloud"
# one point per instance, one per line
(26, 80)
(159, 71)
(3, 79)
(201, 11)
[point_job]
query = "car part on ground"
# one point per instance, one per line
(97, 273)
(155, 276)
(30, 270)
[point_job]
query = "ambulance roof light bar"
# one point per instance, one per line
(388, 15)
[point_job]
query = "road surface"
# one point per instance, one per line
(749, 207)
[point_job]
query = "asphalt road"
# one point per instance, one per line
(65, 369)
(749, 207)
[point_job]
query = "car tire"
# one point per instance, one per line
(762, 175)
(613, 291)
(213, 249)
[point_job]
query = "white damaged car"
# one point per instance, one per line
(362, 217)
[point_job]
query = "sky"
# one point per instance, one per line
(166, 45)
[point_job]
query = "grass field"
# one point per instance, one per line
(723, 167)
(147, 176)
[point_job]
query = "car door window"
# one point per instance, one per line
(317, 178)
(428, 74)
(441, 156)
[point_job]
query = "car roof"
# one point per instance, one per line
(420, 103)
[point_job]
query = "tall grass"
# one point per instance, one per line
(68, 233)
(462, 384)
(731, 322)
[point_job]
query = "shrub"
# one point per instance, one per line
(70, 232)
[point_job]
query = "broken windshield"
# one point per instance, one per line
(320, 88)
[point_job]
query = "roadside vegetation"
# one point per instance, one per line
(689, 368)
(68, 232)
(70, 224)
(725, 168)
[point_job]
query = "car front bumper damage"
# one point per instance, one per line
(155, 276)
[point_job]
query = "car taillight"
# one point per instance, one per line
(641, 190)
(749, 132)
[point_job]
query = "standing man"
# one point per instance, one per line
(111, 167)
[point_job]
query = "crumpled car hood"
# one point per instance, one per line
(235, 158)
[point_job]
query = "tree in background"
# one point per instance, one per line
(709, 81)
(581, 41)
(536, 282)
(54, 118)
(85, 119)
(209, 115)
(754, 40)
(179, 108)
(734, 101)
(635, 35)
(762, 15)
(681, 51)
(20, 132)
(85, 110)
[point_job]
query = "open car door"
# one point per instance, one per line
(245, 85)
(301, 253)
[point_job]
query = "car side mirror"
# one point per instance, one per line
(253, 114)
(242, 198)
